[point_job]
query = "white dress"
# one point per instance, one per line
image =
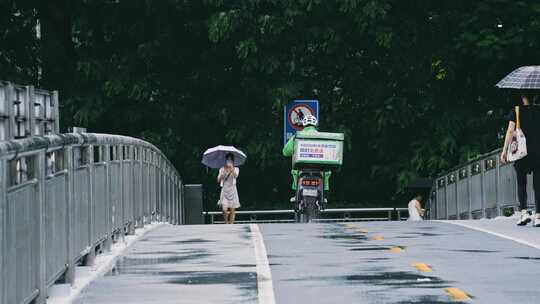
(229, 194)
(413, 212)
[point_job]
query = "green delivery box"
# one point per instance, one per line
(318, 148)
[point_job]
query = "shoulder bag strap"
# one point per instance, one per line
(518, 122)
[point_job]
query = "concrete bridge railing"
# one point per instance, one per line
(65, 198)
(481, 188)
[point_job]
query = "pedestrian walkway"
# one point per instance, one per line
(506, 227)
(182, 264)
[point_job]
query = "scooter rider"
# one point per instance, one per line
(310, 124)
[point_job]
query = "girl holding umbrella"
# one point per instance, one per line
(228, 199)
(227, 159)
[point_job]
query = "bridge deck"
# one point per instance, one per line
(379, 262)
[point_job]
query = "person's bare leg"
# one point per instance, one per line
(232, 215)
(225, 215)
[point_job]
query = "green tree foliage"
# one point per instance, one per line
(410, 83)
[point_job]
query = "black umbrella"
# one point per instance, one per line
(527, 77)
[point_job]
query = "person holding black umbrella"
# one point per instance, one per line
(525, 121)
(522, 141)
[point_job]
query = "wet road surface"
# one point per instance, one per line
(194, 264)
(391, 262)
(376, 262)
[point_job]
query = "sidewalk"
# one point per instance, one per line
(182, 264)
(504, 227)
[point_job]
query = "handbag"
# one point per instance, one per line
(517, 149)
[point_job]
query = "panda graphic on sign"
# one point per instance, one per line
(297, 113)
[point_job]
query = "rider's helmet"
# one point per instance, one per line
(310, 120)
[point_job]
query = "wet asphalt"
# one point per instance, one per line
(182, 264)
(336, 262)
(371, 262)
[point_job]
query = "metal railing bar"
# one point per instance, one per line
(56, 174)
(15, 188)
(291, 211)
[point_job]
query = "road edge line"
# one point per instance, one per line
(517, 240)
(265, 288)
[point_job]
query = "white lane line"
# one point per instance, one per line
(495, 234)
(265, 287)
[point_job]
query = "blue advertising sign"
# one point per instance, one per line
(294, 112)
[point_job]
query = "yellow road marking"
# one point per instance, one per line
(457, 294)
(396, 249)
(351, 226)
(422, 267)
(377, 238)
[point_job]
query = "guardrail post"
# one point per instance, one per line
(446, 198)
(469, 191)
(142, 191)
(168, 194)
(41, 256)
(433, 201)
(390, 215)
(182, 217)
(162, 194)
(458, 209)
(3, 200)
(182, 201)
(159, 179)
(398, 214)
(158, 188)
(151, 186)
(483, 189)
(177, 201)
(107, 159)
(91, 256)
(131, 202)
(56, 112)
(174, 200)
(122, 219)
(68, 158)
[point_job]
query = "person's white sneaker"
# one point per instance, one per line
(293, 199)
(525, 218)
(537, 220)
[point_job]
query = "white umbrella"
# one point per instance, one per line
(215, 157)
(527, 77)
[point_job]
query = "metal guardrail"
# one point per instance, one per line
(346, 215)
(482, 188)
(64, 198)
(27, 111)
